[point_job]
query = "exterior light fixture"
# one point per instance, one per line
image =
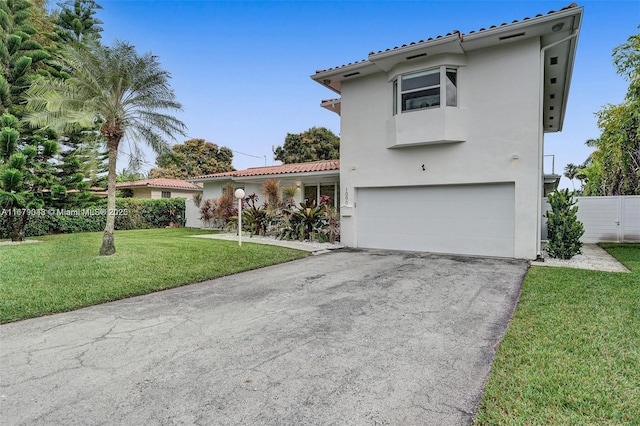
(239, 194)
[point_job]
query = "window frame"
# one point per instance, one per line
(444, 86)
(165, 194)
(335, 199)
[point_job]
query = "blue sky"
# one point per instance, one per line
(241, 69)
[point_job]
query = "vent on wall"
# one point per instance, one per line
(351, 74)
(419, 55)
(510, 36)
(553, 61)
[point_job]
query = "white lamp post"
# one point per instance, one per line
(239, 194)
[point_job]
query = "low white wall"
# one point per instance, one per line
(613, 219)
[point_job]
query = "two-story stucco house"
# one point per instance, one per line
(442, 139)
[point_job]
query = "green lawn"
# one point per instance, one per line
(571, 354)
(63, 272)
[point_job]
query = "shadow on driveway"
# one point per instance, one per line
(349, 337)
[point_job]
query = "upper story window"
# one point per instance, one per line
(424, 89)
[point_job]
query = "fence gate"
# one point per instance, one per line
(615, 219)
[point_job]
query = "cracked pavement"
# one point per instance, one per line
(349, 337)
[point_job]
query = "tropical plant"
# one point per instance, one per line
(288, 196)
(126, 93)
(128, 175)
(571, 172)
(317, 143)
(271, 189)
(206, 211)
(305, 222)
(332, 229)
(564, 228)
(255, 217)
(614, 167)
(197, 199)
(226, 206)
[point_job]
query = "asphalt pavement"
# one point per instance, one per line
(344, 338)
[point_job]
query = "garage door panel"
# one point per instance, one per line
(466, 219)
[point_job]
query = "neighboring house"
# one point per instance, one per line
(442, 140)
(159, 188)
(312, 180)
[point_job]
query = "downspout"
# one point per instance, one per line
(543, 50)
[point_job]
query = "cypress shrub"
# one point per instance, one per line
(564, 228)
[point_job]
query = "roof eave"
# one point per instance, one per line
(442, 45)
(320, 173)
(209, 178)
(332, 78)
(173, 188)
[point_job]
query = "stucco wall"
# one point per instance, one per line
(156, 193)
(499, 101)
(214, 189)
(142, 193)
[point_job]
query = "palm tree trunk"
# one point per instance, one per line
(108, 244)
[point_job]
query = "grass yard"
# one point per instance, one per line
(64, 272)
(571, 354)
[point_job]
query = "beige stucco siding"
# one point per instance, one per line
(142, 193)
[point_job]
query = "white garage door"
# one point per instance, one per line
(464, 219)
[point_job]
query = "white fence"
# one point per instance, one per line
(192, 214)
(614, 219)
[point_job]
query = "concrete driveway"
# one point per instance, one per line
(345, 338)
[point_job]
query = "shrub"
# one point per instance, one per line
(255, 217)
(564, 228)
(140, 214)
(306, 222)
(217, 212)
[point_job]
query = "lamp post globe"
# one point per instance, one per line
(239, 194)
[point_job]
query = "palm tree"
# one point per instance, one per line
(570, 172)
(117, 89)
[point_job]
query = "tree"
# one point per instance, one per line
(128, 175)
(42, 22)
(126, 93)
(317, 143)
(570, 172)
(195, 157)
(614, 166)
(20, 55)
(76, 21)
(27, 177)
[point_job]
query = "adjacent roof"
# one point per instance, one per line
(160, 183)
(557, 31)
(283, 169)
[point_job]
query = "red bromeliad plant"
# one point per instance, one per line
(306, 222)
(255, 216)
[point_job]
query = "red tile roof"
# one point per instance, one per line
(454, 32)
(160, 183)
(309, 167)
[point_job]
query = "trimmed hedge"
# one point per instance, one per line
(132, 213)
